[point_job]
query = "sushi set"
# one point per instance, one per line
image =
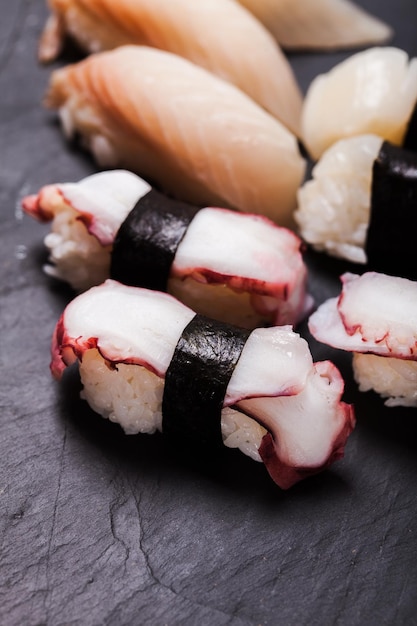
(187, 249)
(208, 342)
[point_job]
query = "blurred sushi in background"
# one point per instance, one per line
(219, 35)
(371, 92)
(319, 24)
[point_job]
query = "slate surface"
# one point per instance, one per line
(100, 528)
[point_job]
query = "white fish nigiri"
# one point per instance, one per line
(198, 136)
(371, 92)
(275, 404)
(233, 266)
(375, 318)
(219, 35)
(319, 24)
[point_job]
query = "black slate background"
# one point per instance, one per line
(101, 528)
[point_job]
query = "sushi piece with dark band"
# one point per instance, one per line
(239, 268)
(361, 205)
(263, 390)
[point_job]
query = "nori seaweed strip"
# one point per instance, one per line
(196, 381)
(391, 237)
(147, 241)
(410, 140)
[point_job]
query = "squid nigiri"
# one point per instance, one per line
(375, 318)
(371, 92)
(197, 136)
(238, 267)
(361, 205)
(219, 35)
(149, 363)
(319, 24)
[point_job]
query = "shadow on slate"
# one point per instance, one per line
(229, 469)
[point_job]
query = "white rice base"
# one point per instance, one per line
(394, 379)
(131, 396)
(75, 256)
(334, 207)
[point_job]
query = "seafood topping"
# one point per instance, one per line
(240, 268)
(375, 313)
(194, 135)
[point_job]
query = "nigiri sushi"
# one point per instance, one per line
(220, 35)
(197, 136)
(371, 92)
(149, 363)
(238, 267)
(375, 318)
(361, 205)
(319, 24)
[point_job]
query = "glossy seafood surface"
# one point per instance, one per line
(239, 253)
(374, 91)
(197, 136)
(259, 69)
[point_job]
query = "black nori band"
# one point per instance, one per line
(197, 378)
(391, 239)
(147, 241)
(410, 140)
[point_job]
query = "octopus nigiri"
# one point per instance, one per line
(238, 267)
(375, 318)
(319, 24)
(195, 135)
(371, 92)
(361, 205)
(149, 363)
(219, 35)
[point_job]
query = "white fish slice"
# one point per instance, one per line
(219, 35)
(233, 266)
(371, 92)
(199, 137)
(319, 24)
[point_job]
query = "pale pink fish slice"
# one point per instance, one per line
(199, 137)
(220, 35)
(319, 24)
